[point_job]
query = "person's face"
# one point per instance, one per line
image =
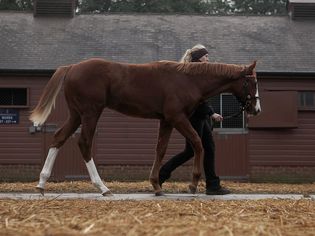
(205, 58)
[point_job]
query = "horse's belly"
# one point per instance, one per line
(135, 111)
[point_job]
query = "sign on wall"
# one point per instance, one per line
(9, 116)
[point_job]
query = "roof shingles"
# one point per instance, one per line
(279, 44)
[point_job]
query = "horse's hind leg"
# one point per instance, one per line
(89, 122)
(165, 131)
(185, 128)
(60, 137)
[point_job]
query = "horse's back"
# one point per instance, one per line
(133, 89)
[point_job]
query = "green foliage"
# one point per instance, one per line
(202, 7)
(260, 7)
(209, 7)
(94, 6)
(19, 5)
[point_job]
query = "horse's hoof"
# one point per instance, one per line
(159, 194)
(107, 194)
(41, 190)
(192, 189)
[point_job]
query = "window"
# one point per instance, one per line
(306, 100)
(226, 104)
(13, 97)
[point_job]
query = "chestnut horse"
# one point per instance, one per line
(164, 90)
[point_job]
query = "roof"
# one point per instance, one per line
(278, 43)
(301, 1)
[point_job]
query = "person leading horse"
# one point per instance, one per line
(165, 90)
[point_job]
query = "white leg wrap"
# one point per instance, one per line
(95, 178)
(46, 171)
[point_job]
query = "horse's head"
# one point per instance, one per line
(246, 90)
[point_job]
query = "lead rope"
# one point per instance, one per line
(236, 114)
(242, 103)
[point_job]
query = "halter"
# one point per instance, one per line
(244, 103)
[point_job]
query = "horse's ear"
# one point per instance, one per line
(251, 68)
(248, 69)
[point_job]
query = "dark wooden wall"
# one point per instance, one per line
(285, 136)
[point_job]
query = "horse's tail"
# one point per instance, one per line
(48, 98)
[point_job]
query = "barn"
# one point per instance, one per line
(278, 145)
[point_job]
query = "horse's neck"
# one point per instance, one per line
(222, 79)
(213, 86)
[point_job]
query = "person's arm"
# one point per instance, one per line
(215, 116)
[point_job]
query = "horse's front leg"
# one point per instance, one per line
(185, 128)
(165, 131)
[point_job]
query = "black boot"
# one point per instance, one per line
(213, 187)
(163, 176)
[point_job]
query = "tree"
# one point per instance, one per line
(209, 7)
(260, 7)
(94, 6)
(20, 5)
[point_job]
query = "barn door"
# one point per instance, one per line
(230, 138)
(231, 155)
(69, 163)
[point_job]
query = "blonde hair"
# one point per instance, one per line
(187, 55)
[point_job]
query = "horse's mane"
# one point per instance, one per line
(214, 69)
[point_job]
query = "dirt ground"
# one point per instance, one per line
(164, 217)
(196, 217)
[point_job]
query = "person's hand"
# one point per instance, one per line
(217, 117)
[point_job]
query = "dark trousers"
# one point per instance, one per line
(203, 128)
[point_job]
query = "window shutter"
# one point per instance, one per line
(279, 110)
